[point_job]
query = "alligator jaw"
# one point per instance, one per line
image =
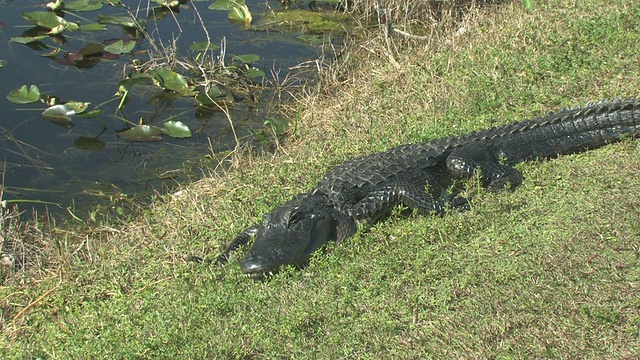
(289, 235)
(258, 275)
(255, 271)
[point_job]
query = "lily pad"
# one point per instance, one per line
(142, 133)
(314, 39)
(77, 106)
(238, 10)
(44, 19)
(121, 20)
(91, 113)
(58, 5)
(176, 129)
(278, 126)
(225, 4)
(24, 95)
(217, 94)
(93, 27)
(248, 58)
(59, 114)
(89, 143)
(83, 5)
(120, 47)
(137, 78)
(202, 46)
(51, 54)
(92, 49)
(27, 39)
(240, 13)
(252, 73)
(171, 80)
(159, 13)
(172, 4)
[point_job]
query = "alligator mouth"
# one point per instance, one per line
(257, 271)
(259, 276)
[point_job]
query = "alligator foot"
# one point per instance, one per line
(242, 239)
(465, 162)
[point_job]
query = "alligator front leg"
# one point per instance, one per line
(377, 203)
(463, 163)
(240, 240)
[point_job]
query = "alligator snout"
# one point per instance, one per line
(257, 269)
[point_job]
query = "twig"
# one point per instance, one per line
(404, 33)
(24, 153)
(36, 301)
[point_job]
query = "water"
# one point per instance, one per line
(46, 163)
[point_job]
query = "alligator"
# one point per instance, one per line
(423, 177)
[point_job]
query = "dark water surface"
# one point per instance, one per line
(40, 160)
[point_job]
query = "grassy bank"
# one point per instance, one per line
(549, 271)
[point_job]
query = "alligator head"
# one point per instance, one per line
(290, 234)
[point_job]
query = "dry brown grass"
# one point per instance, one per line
(22, 244)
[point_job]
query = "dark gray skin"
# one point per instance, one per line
(363, 190)
(290, 234)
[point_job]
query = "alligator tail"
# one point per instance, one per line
(568, 131)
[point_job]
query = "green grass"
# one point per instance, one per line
(551, 270)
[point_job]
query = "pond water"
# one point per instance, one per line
(73, 167)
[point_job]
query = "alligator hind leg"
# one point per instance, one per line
(463, 163)
(377, 204)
